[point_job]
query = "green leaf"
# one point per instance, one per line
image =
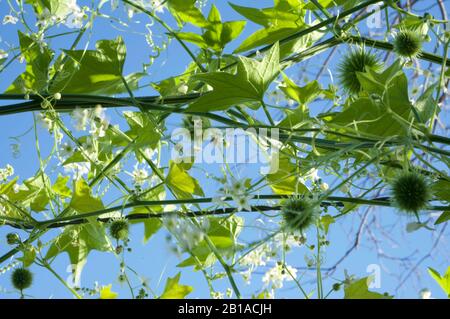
(95, 71)
(29, 255)
(426, 104)
(8, 187)
(368, 116)
(302, 95)
(248, 84)
(40, 201)
(272, 16)
(38, 193)
(281, 21)
(296, 118)
(141, 129)
(174, 290)
(82, 199)
(192, 37)
(218, 34)
(223, 233)
(38, 61)
(285, 180)
(57, 8)
(180, 182)
(186, 11)
(415, 23)
(77, 242)
(441, 189)
(445, 216)
(60, 187)
(330, 3)
(151, 225)
(359, 289)
(265, 37)
(443, 281)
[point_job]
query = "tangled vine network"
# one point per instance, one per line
(183, 148)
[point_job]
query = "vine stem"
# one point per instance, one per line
(82, 218)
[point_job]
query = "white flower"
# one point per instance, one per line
(171, 222)
(46, 18)
(313, 174)
(425, 294)
(80, 118)
(66, 149)
(99, 112)
(285, 241)
(324, 186)
(217, 295)
(76, 15)
(10, 19)
(254, 258)
(237, 187)
(89, 147)
(187, 234)
(158, 5)
(45, 121)
(77, 170)
(98, 129)
(6, 172)
(242, 202)
(140, 175)
(151, 154)
(275, 276)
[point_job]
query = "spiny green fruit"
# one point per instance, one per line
(299, 214)
(119, 229)
(411, 192)
(356, 61)
(21, 278)
(408, 43)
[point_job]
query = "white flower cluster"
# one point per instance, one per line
(10, 19)
(185, 231)
(275, 277)
(76, 15)
(96, 119)
(140, 175)
(269, 253)
(152, 5)
(72, 17)
(77, 170)
(237, 190)
(6, 172)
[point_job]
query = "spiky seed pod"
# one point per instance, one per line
(299, 214)
(411, 192)
(21, 278)
(12, 239)
(119, 229)
(408, 43)
(356, 61)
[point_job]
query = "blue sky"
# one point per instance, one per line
(154, 260)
